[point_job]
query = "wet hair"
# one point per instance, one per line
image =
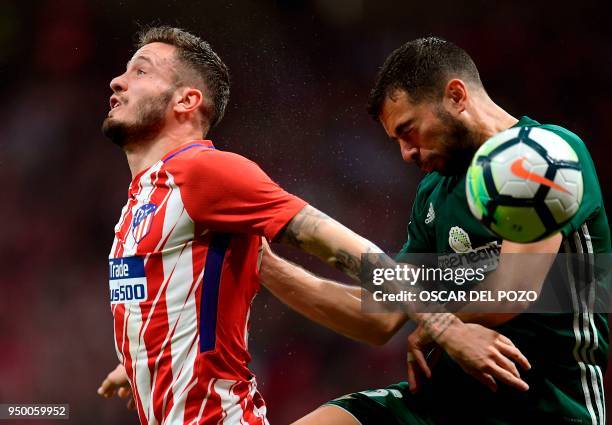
(421, 67)
(197, 56)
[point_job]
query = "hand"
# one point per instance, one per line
(485, 354)
(117, 381)
(422, 354)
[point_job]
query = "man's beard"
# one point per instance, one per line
(147, 124)
(459, 144)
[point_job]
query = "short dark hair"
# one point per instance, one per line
(421, 67)
(196, 54)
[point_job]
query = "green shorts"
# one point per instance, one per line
(452, 397)
(393, 405)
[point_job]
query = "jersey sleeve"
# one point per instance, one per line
(226, 192)
(592, 199)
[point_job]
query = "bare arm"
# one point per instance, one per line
(316, 233)
(331, 304)
(515, 272)
(482, 353)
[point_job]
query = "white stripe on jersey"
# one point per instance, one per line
(259, 412)
(183, 321)
(208, 392)
(597, 380)
(178, 270)
(231, 410)
(580, 348)
(138, 351)
(175, 217)
(124, 214)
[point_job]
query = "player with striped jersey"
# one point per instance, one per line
(184, 265)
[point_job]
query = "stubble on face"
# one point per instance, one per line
(149, 119)
(457, 143)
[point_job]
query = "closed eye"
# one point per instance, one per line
(404, 128)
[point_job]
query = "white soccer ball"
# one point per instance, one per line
(524, 183)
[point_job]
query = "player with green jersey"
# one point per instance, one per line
(430, 100)
(568, 352)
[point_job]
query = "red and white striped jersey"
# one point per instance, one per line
(183, 271)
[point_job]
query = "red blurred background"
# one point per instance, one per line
(301, 72)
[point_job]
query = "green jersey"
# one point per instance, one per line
(568, 352)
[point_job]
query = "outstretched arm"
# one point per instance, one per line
(318, 234)
(482, 353)
(331, 304)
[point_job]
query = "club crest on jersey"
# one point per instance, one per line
(431, 214)
(141, 225)
(459, 240)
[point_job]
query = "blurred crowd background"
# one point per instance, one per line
(301, 72)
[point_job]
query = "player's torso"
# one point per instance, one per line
(569, 351)
(451, 227)
(180, 296)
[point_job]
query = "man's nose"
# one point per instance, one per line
(118, 84)
(409, 152)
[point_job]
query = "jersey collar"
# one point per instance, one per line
(525, 121)
(208, 144)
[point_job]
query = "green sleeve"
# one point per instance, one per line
(592, 199)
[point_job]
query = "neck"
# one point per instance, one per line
(490, 119)
(142, 155)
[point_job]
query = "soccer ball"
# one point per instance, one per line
(524, 184)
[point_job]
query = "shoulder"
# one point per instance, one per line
(429, 183)
(570, 137)
(427, 187)
(208, 162)
(576, 143)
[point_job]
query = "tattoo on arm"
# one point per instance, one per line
(348, 263)
(303, 231)
(437, 323)
(304, 223)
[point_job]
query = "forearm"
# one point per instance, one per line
(322, 236)
(489, 320)
(331, 304)
(316, 233)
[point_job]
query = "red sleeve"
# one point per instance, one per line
(226, 192)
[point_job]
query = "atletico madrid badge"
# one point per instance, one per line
(141, 225)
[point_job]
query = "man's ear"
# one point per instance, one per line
(456, 95)
(189, 99)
